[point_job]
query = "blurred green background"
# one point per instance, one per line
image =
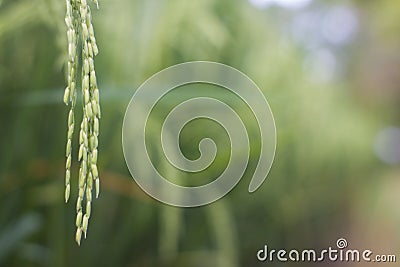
(329, 69)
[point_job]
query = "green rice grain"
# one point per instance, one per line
(82, 41)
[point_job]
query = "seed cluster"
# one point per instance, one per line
(80, 32)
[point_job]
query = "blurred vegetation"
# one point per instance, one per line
(330, 98)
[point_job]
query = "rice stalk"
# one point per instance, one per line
(81, 41)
